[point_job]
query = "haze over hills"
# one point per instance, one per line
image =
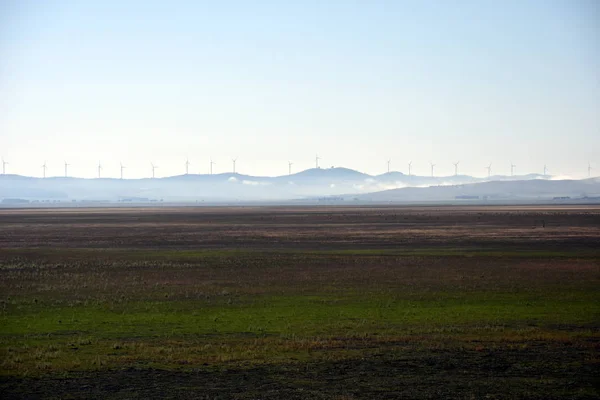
(325, 183)
(505, 191)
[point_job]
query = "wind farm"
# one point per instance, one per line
(335, 184)
(100, 167)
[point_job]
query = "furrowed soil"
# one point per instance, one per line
(437, 302)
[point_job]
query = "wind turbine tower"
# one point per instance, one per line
(290, 167)
(388, 162)
(4, 166)
(512, 168)
(99, 169)
(153, 168)
(409, 166)
(489, 168)
(187, 166)
(589, 170)
(456, 168)
(233, 160)
(44, 169)
(211, 165)
(545, 170)
(317, 158)
(122, 168)
(66, 169)
(432, 166)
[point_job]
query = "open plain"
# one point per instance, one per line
(495, 302)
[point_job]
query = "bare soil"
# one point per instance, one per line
(569, 227)
(523, 263)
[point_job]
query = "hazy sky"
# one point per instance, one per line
(357, 82)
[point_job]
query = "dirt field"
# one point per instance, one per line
(306, 228)
(317, 303)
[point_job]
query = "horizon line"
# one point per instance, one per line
(230, 173)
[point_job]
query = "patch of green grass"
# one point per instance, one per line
(82, 310)
(119, 331)
(302, 315)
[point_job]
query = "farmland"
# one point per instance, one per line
(300, 302)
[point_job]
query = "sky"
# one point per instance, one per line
(267, 82)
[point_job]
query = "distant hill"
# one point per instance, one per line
(496, 190)
(392, 176)
(315, 182)
(325, 174)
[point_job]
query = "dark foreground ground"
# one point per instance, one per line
(306, 303)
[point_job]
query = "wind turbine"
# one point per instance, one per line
(545, 170)
(4, 166)
(99, 169)
(409, 165)
(512, 168)
(187, 165)
(66, 169)
(153, 168)
(489, 168)
(290, 167)
(456, 168)
(388, 162)
(44, 169)
(233, 160)
(432, 165)
(317, 158)
(211, 164)
(589, 170)
(122, 168)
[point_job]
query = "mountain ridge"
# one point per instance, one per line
(311, 183)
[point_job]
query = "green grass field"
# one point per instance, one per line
(345, 324)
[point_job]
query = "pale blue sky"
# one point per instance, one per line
(357, 82)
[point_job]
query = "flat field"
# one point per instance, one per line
(300, 303)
